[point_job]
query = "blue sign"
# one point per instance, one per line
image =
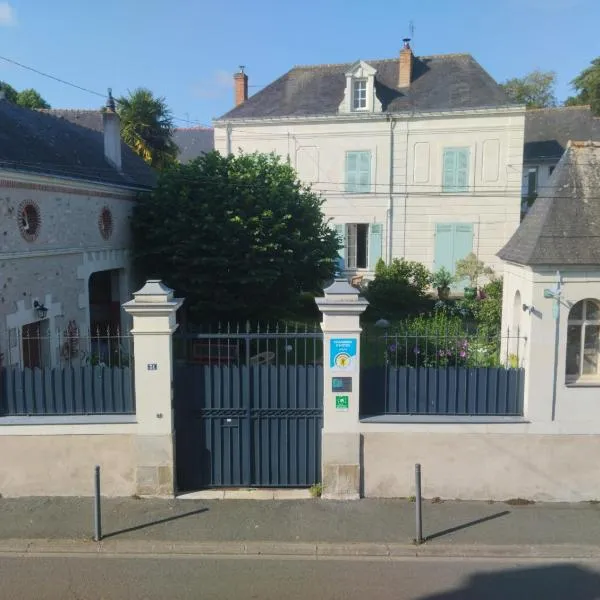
(342, 354)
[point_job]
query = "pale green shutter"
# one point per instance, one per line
(351, 171)
(443, 247)
(364, 172)
(462, 245)
(449, 174)
(340, 230)
(462, 170)
(375, 244)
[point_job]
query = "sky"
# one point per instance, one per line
(187, 51)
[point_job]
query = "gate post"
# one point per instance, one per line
(153, 310)
(340, 450)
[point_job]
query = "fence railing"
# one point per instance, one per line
(66, 373)
(442, 373)
(277, 345)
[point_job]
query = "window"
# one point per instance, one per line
(550, 170)
(453, 241)
(29, 220)
(361, 245)
(532, 181)
(583, 340)
(359, 94)
(455, 176)
(358, 172)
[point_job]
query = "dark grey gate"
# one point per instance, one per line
(248, 408)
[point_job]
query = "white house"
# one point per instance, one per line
(67, 188)
(417, 157)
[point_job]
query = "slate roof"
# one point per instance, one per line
(67, 143)
(563, 226)
(548, 130)
(445, 82)
(193, 142)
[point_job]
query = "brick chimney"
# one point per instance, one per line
(240, 83)
(406, 64)
(112, 132)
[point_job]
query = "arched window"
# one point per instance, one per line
(583, 340)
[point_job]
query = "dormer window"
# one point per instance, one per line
(359, 94)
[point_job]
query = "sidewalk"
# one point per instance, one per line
(306, 527)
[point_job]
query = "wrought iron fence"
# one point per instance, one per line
(66, 372)
(279, 344)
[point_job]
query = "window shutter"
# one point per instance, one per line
(462, 245)
(449, 173)
(340, 230)
(462, 170)
(365, 172)
(351, 168)
(443, 247)
(375, 244)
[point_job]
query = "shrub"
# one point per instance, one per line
(398, 288)
(471, 268)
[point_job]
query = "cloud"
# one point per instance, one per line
(218, 85)
(7, 15)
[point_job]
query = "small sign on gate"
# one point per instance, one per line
(342, 402)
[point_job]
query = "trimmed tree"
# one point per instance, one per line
(536, 89)
(587, 85)
(238, 236)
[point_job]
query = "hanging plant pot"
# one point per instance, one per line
(470, 293)
(443, 293)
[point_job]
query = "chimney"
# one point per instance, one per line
(240, 81)
(112, 132)
(406, 63)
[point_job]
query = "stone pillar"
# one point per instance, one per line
(153, 310)
(341, 456)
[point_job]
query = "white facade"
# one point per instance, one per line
(405, 196)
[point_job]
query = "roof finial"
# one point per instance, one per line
(110, 101)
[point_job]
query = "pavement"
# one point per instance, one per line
(309, 528)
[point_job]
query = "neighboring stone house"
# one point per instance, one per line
(547, 131)
(193, 142)
(552, 291)
(67, 187)
(417, 157)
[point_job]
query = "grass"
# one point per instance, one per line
(316, 490)
(519, 502)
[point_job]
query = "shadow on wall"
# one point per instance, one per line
(556, 582)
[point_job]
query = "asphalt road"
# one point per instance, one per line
(175, 577)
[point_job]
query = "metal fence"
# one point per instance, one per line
(441, 373)
(66, 373)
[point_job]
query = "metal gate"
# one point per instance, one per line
(248, 408)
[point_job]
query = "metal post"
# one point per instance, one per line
(418, 516)
(97, 513)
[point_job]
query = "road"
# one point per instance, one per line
(77, 577)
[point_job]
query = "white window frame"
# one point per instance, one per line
(359, 94)
(583, 323)
(352, 246)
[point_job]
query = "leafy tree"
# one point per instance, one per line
(239, 236)
(536, 89)
(28, 98)
(31, 98)
(9, 91)
(587, 85)
(147, 127)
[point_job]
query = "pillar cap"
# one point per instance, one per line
(154, 291)
(342, 298)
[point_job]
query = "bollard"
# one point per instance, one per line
(418, 499)
(97, 513)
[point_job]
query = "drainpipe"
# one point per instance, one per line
(228, 129)
(390, 209)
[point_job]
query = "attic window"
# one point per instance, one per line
(359, 94)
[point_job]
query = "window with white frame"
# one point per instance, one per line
(359, 94)
(357, 246)
(583, 341)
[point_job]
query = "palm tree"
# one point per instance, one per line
(147, 127)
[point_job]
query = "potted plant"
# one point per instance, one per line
(442, 280)
(471, 268)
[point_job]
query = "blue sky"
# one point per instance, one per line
(186, 51)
